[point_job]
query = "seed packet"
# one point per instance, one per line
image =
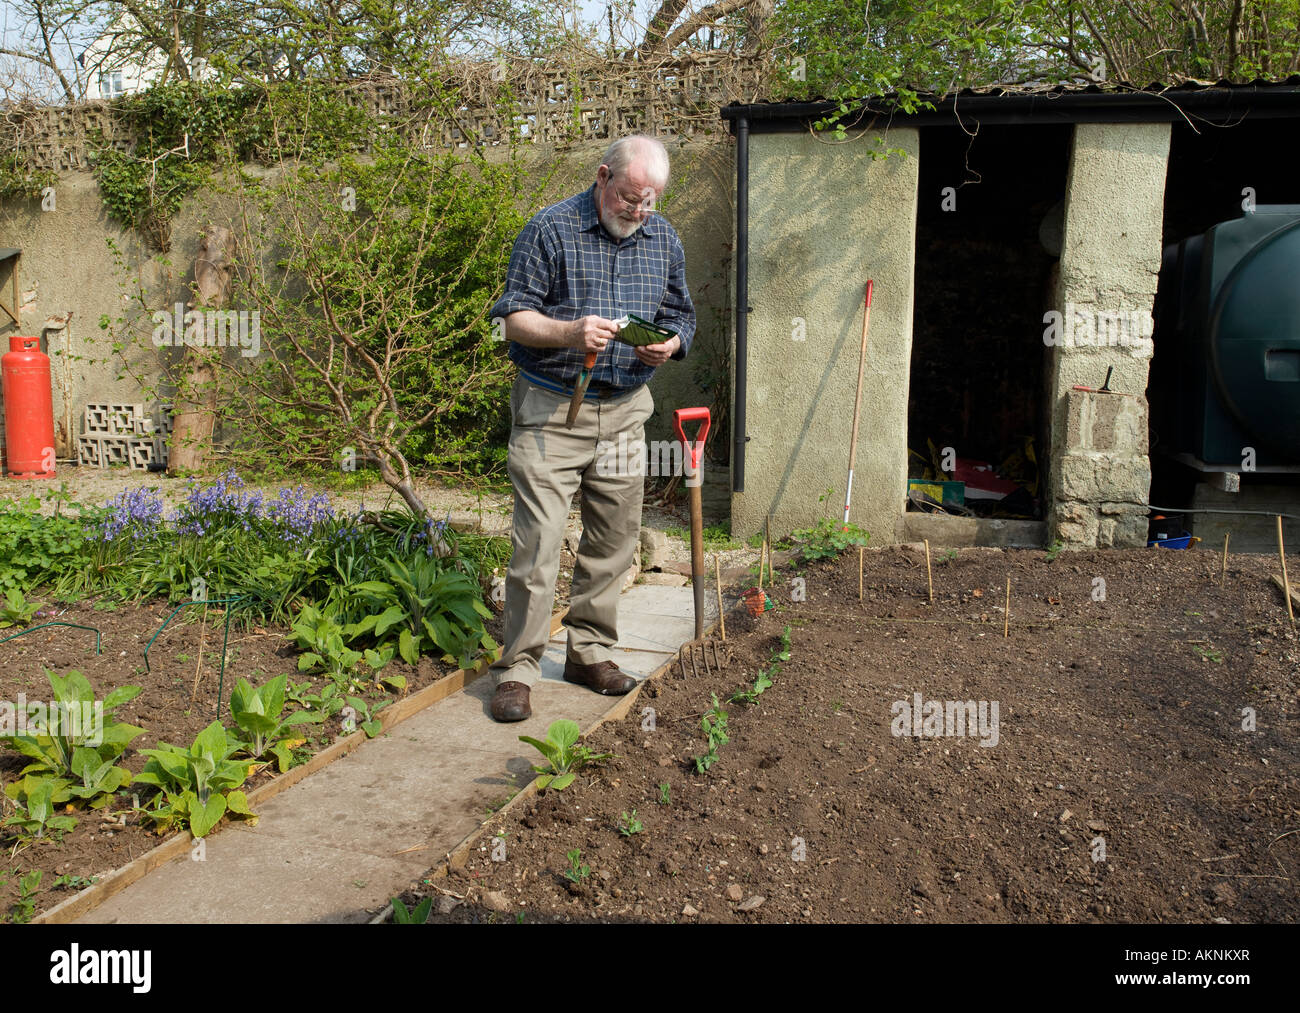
(635, 331)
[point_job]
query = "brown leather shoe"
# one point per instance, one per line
(510, 702)
(603, 678)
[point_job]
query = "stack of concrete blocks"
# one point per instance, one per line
(116, 434)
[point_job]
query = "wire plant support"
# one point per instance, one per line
(225, 638)
(98, 636)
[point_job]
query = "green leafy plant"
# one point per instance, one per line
(418, 915)
(829, 538)
(16, 610)
(21, 912)
(327, 702)
(36, 548)
(564, 758)
(629, 825)
(70, 882)
(749, 696)
(765, 675)
(74, 747)
(714, 724)
(38, 816)
(665, 794)
(1054, 550)
(196, 786)
(320, 639)
(258, 714)
(369, 724)
(1208, 653)
(430, 607)
(577, 870)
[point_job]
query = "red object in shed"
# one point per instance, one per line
(29, 409)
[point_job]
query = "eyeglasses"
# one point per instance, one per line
(646, 203)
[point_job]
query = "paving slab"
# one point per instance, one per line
(337, 846)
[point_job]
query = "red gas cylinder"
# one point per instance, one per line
(29, 409)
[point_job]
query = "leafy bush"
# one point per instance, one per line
(35, 549)
(64, 757)
(829, 538)
(433, 607)
(196, 786)
(257, 712)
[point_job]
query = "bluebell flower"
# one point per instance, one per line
(138, 512)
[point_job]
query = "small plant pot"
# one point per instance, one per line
(757, 601)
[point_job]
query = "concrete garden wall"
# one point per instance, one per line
(67, 265)
(823, 218)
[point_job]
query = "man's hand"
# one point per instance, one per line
(592, 333)
(657, 355)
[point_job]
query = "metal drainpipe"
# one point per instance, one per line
(739, 437)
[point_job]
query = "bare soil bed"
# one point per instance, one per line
(1125, 784)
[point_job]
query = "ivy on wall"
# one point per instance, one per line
(186, 130)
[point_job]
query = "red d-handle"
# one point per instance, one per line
(696, 447)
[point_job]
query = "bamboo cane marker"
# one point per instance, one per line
(767, 535)
(717, 575)
(1223, 572)
(857, 401)
(762, 555)
(860, 548)
(1286, 584)
(1006, 622)
(929, 576)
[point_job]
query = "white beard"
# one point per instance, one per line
(618, 227)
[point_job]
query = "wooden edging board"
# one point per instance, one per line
(115, 882)
(459, 855)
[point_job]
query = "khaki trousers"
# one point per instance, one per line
(547, 465)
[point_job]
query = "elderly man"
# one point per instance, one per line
(577, 267)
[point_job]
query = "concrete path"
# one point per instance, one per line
(340, 844)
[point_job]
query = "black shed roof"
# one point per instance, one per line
(1117, 102)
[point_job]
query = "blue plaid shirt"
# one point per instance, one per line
(565, 266)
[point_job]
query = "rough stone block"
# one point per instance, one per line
(1073, 524)
(654, 548)
(1095, 478)
(1105, 422)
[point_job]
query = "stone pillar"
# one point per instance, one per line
(1099, 473)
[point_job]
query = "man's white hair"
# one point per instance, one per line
(647, 151)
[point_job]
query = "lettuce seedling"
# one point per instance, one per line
(196, 785)
(39, 815)
(565, 758)
(74, 743)
(257, 712)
